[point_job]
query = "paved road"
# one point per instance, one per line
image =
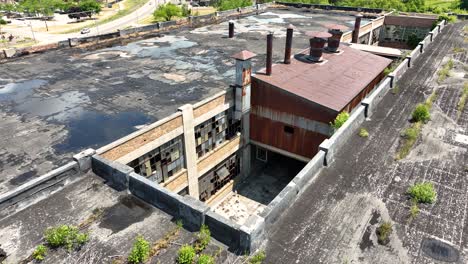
(329, 223)
(123, 22)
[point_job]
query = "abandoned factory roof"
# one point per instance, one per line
(332, 83)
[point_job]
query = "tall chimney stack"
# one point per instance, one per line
(231, 29)
(357, 26)
(269, 55)
(317, 42)
(287, 49)
(334, 41)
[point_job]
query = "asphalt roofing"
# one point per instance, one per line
(334, 82)
(58, 103)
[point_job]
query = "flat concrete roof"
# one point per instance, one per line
(58, 103)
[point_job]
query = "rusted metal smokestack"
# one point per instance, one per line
(357, 26)
(334, 41)
(231, 29)
(317, 42)
(287, 49)
(269, 55)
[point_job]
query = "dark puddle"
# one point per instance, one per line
(128, 211)
(22, 178)
(94, 129)
(439, 250)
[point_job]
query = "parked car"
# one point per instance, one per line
(85, 31)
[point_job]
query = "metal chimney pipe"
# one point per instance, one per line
(357, 26)
(231, 29)
(336, 31)
(287, 49)
(269, 55)
(317, 43)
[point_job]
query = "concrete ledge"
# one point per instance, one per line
(116, 174)
(371, 101)
(223, 230)
(191, 211)
(84, 159)
(340, 137)
(281, 202)
(311, 169)
(35, 187)
(252, 234)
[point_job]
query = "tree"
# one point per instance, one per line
(167, 12)
(90, 6)
(232, 4)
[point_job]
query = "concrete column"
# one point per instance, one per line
(371, 33)
(189, 149)
(242, 106)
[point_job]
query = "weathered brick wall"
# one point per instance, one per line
(208, 162)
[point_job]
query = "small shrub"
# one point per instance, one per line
(383, 233)
(186, 255)
(140, 251)
(411, 133)
(205, 259)
(462, 102)
(203, 238)
(179, 223)
(421, 113)
(458, 50)
(65, 236)
(448, 18)
(414, 210)
(40, 252)
(340, 119)
(395, 89)
(258, 258)
(423, 192)
(363, 133)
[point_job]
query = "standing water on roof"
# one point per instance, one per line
(94, 129)
(20, 90)
(156, 47)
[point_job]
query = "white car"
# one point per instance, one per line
(85, 31)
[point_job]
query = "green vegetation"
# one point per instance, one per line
(421, 113)
(445, 71)
(422, 192)
(413, 41)
(458, 50)
(257, 258)
(39, 253)
(395, 89)
(167, 12)
(186, 255)
(383, 233)
(463, 97)
(223, 5)
(340, 119)
(363, 133)
(205, 259)
(2, 22)
(203, 238)
(65, 236)
(414, 210)
(140, 251)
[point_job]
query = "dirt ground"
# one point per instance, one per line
(334, 221)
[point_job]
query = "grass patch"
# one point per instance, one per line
(414, 210)
(383, 233)
(129, 7)
(462, 102)
(65, 236)
(458, 50)
(421, 113)
(40, 253)
(205, 259)
(166, 240)
(140, 251)
(340, 119)
(395, 90)
(422, 192)
(444, 73)
(363, 133)
(203, 239)
(257, 258)
(185, 255)
(95, 215)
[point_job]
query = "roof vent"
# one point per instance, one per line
(317, 42)
(334, 41)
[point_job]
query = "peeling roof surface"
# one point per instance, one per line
(332, 83)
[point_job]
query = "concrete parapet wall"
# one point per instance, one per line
(38, 188)
(281, 202)
(373, 99)
(331, 7)
(115, 174)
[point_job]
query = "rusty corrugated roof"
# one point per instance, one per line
(332, 83)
